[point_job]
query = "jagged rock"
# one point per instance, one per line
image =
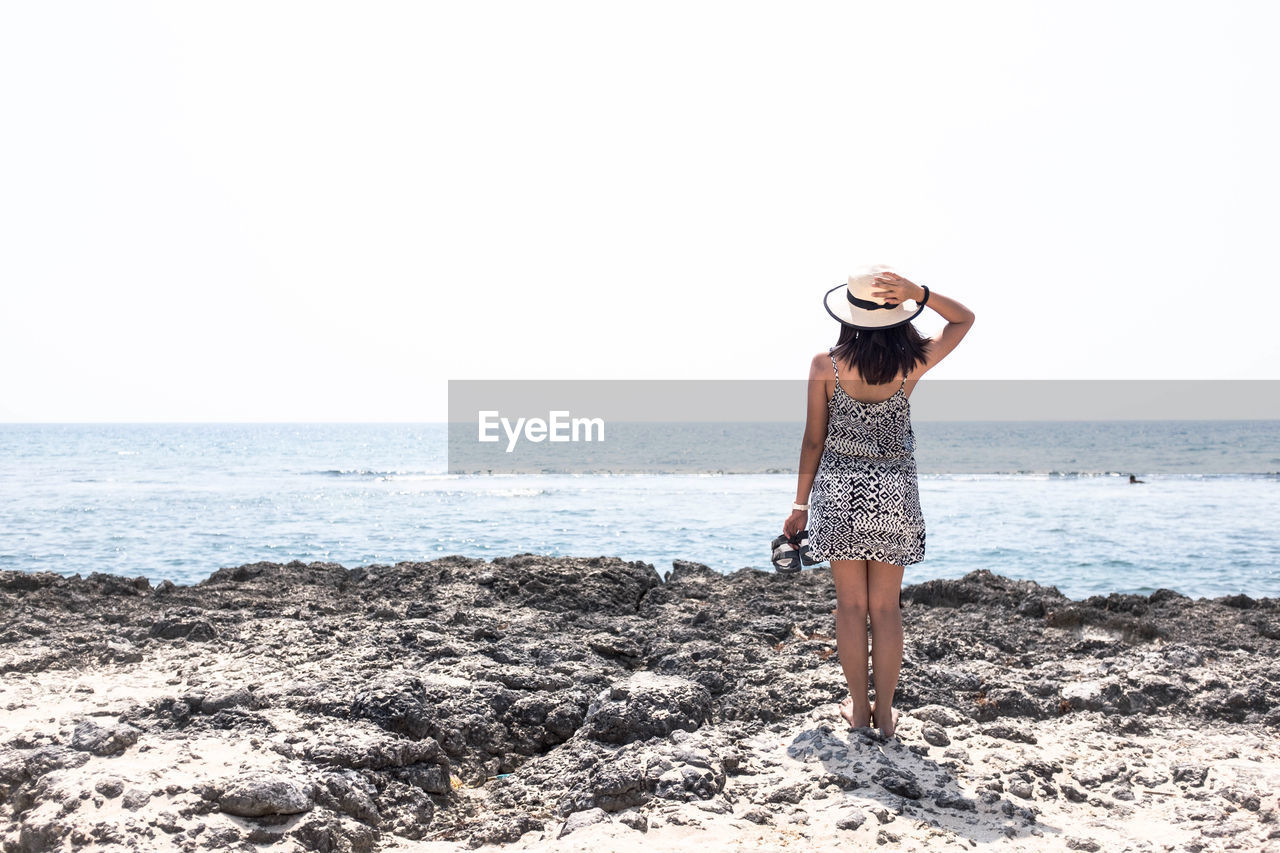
(358, 749)
(645, 706)
(899, 782)
(687, 783)
(349, 793)
(255, 795)
(327, 833)
(183, 627)
(935, 734)
(110, 787)
(238, 697)
(1191, 774)
(578, 820)
(954, 800)
(939, 715)
(614, 785)
(110, 739)
(135, 798)
(1007, 732)
(792, 793)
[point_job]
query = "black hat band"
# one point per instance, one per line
(866, 303)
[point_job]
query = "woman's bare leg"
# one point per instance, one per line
(851, 637)
(884, 585)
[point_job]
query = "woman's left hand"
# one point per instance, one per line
(895, 289)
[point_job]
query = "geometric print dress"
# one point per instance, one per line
(865, 501)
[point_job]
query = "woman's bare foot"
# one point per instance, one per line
(888, 730)
(854, 716)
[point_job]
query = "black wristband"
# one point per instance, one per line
(925, 288)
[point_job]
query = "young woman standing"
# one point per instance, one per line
(858, 492)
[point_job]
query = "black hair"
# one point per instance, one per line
(881, 355)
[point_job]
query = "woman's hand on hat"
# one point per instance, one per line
(895, 289)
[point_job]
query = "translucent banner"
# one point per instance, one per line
(1051, 427)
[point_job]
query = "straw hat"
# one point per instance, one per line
(853, 304)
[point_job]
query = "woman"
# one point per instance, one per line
(858, 468)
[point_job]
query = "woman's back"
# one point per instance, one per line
(872, 428)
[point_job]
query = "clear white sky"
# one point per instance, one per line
(322, 211)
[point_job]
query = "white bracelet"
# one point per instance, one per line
(801, 507)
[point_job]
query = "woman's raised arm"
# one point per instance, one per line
(959, 319)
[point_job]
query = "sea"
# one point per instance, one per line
(1043, 501)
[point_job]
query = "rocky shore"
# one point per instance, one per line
(575, 704)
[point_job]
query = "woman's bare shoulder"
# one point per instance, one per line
(820, 366)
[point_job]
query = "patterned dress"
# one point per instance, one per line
(865, 501)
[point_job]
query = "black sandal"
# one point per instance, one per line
(786, 556)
